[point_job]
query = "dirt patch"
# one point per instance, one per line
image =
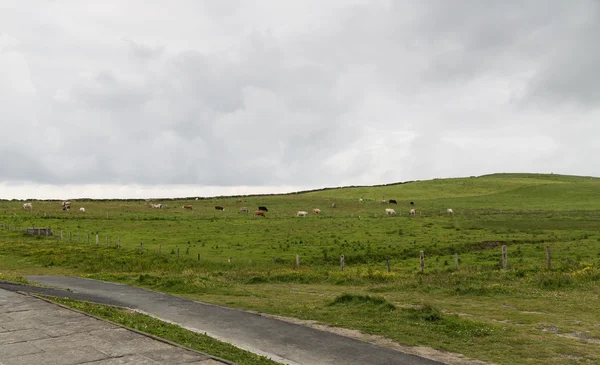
(491, 244)
(449, 358)
(580, 336)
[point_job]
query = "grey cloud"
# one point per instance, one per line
(228, 100)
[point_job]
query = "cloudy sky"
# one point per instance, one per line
(194, 97)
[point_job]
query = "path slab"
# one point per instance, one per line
(34, 331)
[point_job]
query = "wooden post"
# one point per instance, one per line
(297, 261)
(97, 239)
(387, 262)
(456, 260)
(177, 252)
(70, 237)
(198, 257)
(342, 262)
(142, 245)
(504, 257)
(119, 242)
(61, 235)
(548, 266)
(422, 260)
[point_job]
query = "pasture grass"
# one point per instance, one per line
(527, 314)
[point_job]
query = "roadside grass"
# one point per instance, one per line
(527, 314)
(144, 323)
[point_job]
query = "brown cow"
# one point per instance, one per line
(259, 212)
(316, 211)
(188, 207)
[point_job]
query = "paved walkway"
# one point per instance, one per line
(34, 331)
(281, 341)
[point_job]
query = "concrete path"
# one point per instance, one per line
(34, 331)
(281, 341)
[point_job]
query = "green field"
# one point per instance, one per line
(525, 314)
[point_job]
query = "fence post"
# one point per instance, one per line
(422, 260)
(387, 262)
(342, 262)
(456, 260)
(142, 246)
(548, 266)
(198, 257)
(97, 239)
(297, 261)
(178, 253)
(61, 234)
(119, 242)
(504, 257)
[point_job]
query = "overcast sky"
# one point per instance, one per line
(116, 98)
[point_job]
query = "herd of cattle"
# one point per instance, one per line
(66, 206)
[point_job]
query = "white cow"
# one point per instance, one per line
(383, 201)
(66, 205)
(82, 210)
(450, 211)
(244, 210)
(27, 206)
(360, 200)
(301, 213)
(390, 212)
(413, 212)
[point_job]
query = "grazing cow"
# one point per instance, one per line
(219, 207)
(82, 210)
(187, 207)
(196, 198)
(412, 212)
(450, 211)
(264, 209)
(301, 213)
(383, 201)
(27, 206)
(390, 212)
(360, 200)
(244, 210)
(412, 204)
(333, 205)
(316, 211)
(259, 212)
(239, 201)
(157, 206)
(392, 201)
(66, 205)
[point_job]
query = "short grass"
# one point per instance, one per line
(144, 323)
(526, 314)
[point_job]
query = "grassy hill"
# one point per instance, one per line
(250, 262)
